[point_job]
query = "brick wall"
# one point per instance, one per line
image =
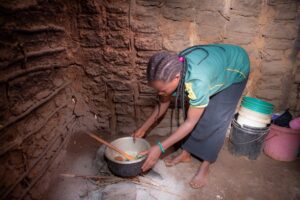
(70, 66)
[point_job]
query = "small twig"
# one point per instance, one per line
(19, 73)
(13, 120)
(87, 176)
(38, 29)
(224, 16)
(136, 181)
(32, 54)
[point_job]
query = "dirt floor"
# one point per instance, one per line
(231, 178)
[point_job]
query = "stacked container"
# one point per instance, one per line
(255, 112)
(250, 127)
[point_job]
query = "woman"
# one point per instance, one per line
(214, 77)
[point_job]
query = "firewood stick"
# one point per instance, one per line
(129, 157)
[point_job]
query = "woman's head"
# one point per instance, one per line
(164, 72)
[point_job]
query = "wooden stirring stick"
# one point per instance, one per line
(127, 156)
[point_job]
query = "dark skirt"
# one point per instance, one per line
(207, 138)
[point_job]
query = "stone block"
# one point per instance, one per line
(88, 7)
(93, 69)
(210, 19)
(118, 7)
(123, 98)
(241, 24)
(145, 26)
(123, 72)
(270, 55)
(273, 68)
(90, 38)
(148, 42)
(211, 5)
(143, 88)
(281, 30)
(118, 85)
(278, 44)
(178, 14)
(270, 82)
(124, 109)
(267, 94)
(278, 2)
(145, 54)
(286, 11)
(238, 38)
(117, 57)
(118, 39)
(210, 34)
(126, 124)
(89, 22)
(141, 63)
(176, 39)
(246, 7)
(179, 4)
(149, 2)
(117, 23)
(94, 55)
(178, 10)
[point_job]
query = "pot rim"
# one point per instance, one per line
(127, 162)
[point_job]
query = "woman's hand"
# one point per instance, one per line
(153, 155)
(138, 133)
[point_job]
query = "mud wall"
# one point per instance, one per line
(70, 66)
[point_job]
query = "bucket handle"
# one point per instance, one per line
(271, 137)
(248, 141)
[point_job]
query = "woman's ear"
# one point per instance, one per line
(177, 76)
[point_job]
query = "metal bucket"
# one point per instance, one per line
(126, 168)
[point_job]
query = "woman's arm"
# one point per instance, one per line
(185, 128)
(193, 116)
(158, 111)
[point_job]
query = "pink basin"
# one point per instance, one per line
(282, 143)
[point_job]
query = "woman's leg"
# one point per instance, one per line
(184, 156)
(208, 137)
(200, 179)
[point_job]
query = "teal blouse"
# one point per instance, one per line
(211, 69)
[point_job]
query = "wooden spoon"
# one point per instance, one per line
(127, 156)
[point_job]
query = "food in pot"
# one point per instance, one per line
(122, 158)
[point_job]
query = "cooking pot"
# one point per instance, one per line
(126, 168)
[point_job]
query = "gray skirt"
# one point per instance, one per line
(207, 138)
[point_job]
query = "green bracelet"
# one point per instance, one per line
(161, 147)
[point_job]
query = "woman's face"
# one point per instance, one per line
(166, 88)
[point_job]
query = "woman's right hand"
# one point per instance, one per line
(139, 133)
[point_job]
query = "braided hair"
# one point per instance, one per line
(165, 66)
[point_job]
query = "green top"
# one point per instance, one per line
(211, 69)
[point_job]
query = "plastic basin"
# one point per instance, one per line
(282, 143)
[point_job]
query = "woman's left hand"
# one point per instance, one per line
(153, 155)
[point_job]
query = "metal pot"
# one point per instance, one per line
(126, 168)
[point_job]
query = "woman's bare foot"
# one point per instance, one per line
(200, 179)
(184, 156)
